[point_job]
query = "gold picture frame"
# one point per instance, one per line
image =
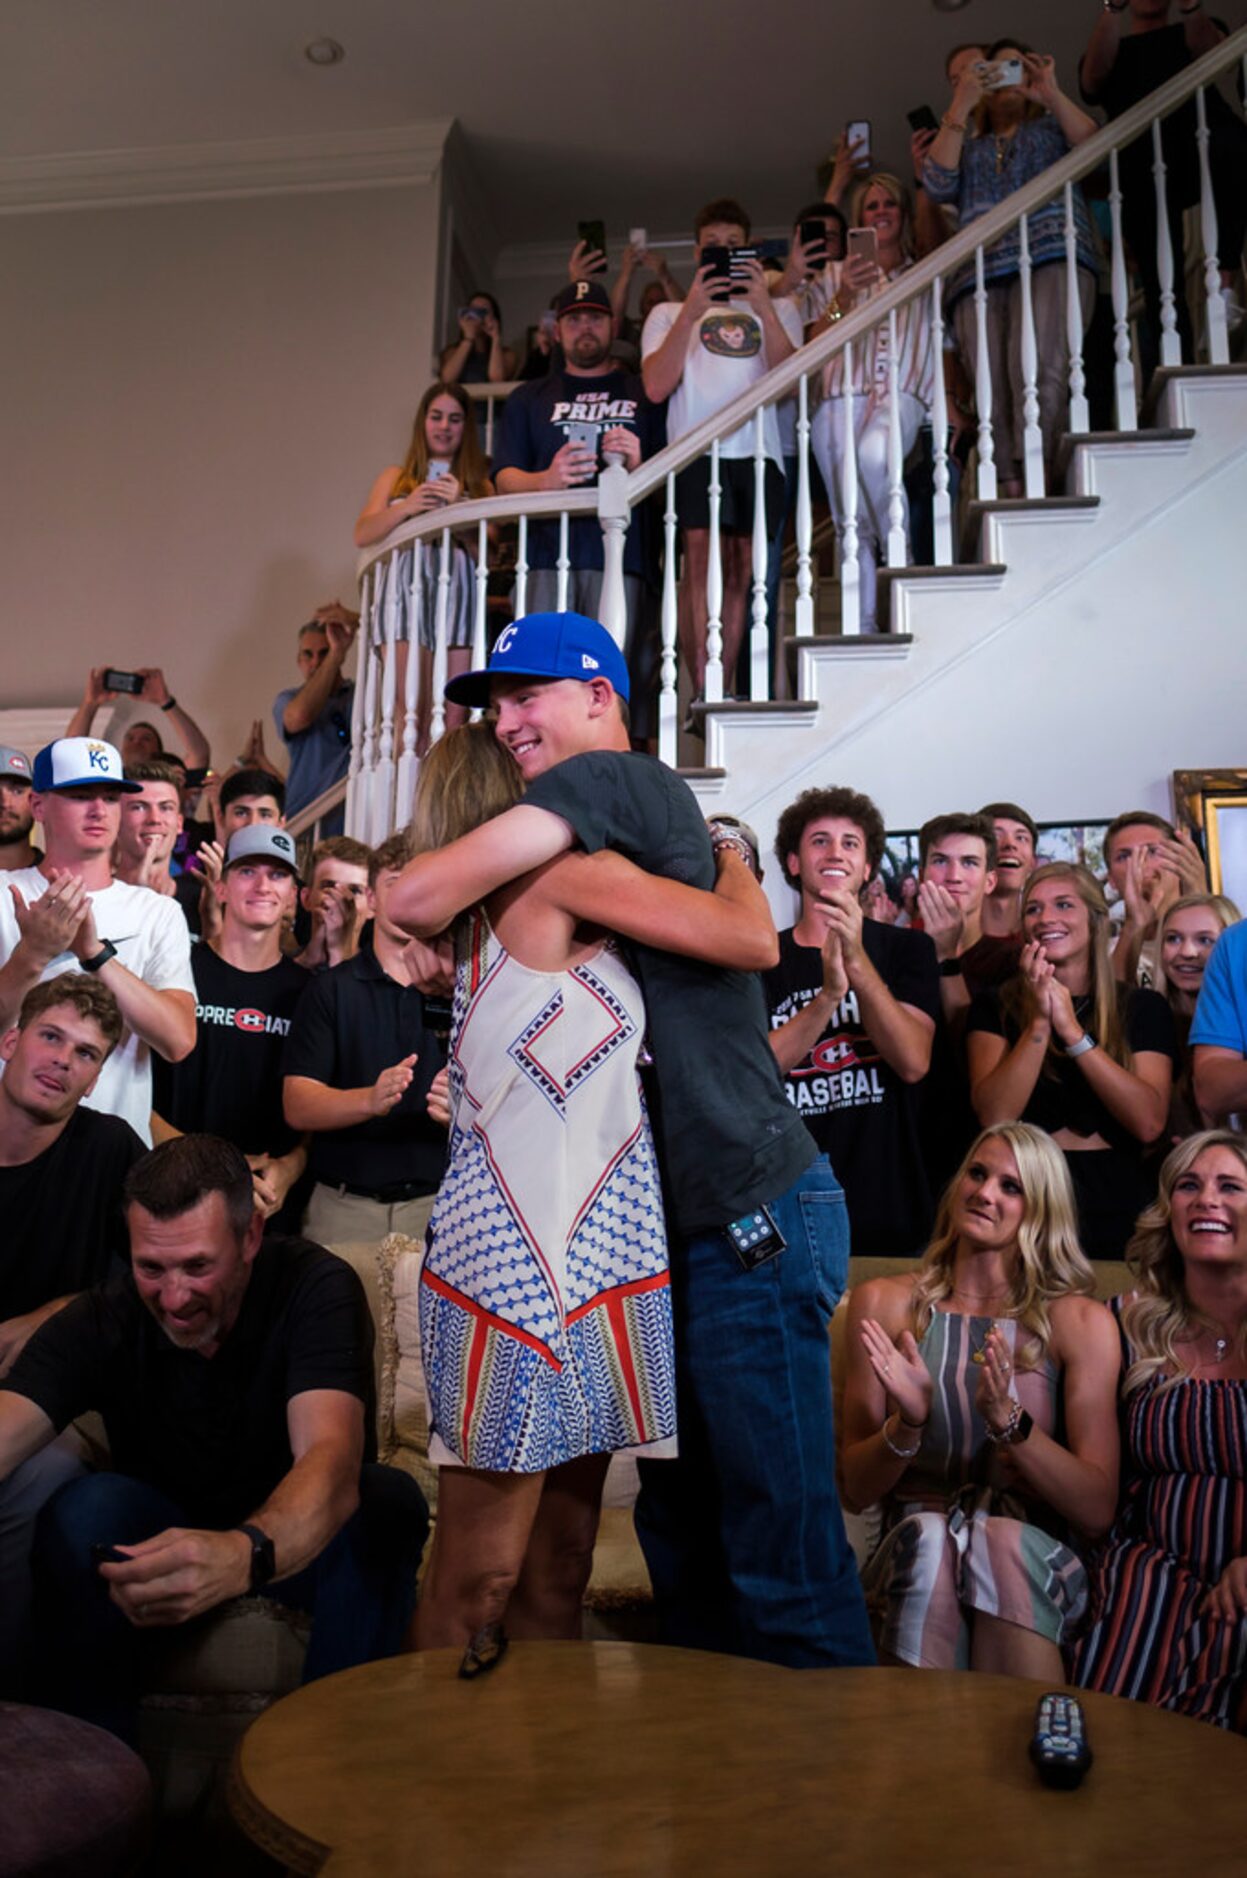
(1213, 804)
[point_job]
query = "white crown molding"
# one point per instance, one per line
(258, 166)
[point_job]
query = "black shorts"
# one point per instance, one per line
(736, 480)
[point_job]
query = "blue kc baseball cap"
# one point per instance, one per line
(76, 762)
(546, 645)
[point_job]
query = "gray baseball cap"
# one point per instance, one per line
(14, 764)
(260, 842)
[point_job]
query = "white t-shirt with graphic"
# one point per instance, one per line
(152, 941)
(724, 358)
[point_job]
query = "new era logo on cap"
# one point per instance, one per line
(77, 762)
(262, 843)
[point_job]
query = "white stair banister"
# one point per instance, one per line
(1214, 305)
(1079, 410)
(363, 649)
(759, 643)
(1125, 399)
(370, 659)
(983, 385)
(613, 516)
(850, 573)
(383, 774)
(668, 682)
(480, 611)
(1032, 435)
(805, 514)
(562, 565)
(1170, 339)
(521, 569)
(898, 547)
(409, 762)
(441, 628)
(713, 692)
(941, 502)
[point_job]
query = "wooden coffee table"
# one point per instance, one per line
(602, 1758)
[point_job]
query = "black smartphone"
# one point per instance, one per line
(923, 118)
(719, 260)
(108, 1555)
(131, 683)
(814, 239)
(593, 234)
(774, 248)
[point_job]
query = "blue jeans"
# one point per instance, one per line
(360, 1590)
(743, 1534)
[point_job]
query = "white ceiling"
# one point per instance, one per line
(635, 113)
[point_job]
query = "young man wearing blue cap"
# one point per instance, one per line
(69, 912)
(743, 1535)
(16, 819)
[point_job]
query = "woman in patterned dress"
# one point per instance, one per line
(545, 1304)
(979, 1408)
(1169, 1588)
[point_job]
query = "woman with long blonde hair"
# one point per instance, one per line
(1065, 1046)
(1169, 1588)
(1189, 931)
(544, 1298)
(443, 465)
(979, 1407)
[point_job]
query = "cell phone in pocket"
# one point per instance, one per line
(755, 1238)
(858, 133)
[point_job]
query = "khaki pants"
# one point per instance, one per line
(1004, 351)
(336, 1218)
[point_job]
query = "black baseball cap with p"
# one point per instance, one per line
(580, 294)
(545, 645)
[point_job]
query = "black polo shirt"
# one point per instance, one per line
(210, 1431)
(63, 1223)
(353, 1022)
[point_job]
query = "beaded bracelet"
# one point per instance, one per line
(1002, 1437)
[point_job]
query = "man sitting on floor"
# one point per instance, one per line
(234, 1375)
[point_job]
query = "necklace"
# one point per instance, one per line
(1004, 150)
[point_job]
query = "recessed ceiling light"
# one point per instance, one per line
(324, 52)
(949, 6)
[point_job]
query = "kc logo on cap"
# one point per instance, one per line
(79, 763)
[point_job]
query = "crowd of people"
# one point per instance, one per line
(550, 1033)
(600, 387)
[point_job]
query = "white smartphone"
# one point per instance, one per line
(438, 467)
(996, 74)
(858, 132)
(638, 238)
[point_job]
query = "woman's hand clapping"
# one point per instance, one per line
(899, 1366)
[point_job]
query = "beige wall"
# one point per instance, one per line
(197, 398)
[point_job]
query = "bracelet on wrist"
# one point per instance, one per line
(948, 122)
(1081, 1045)
(902, 1454)
(170, 704)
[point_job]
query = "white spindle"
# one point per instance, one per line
(941, 503)
(759, 644)
(367, 681)
(1218, 330)
(613, 516)
(668, 700)
(383, 775)
(897, 546)
(481, 611)
(409, 762)
(521, 569)
(353, 822)
(1125, 397)
(983, 386)
(1032, 436)
(1079, 409)
(563, 565)
(489, 425)
(850, 574)
(805, 515)
(713, 691)
(441, 629)
(1170, 339)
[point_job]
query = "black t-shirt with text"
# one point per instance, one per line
(230, 1084)
(727, 1139)
(63, 1221)
(209, 1431)
(857, 1109)
(535, 425)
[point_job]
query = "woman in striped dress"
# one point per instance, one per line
(1169, 1589)
(979, 1407)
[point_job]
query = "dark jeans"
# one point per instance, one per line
(360, 1590)
(743, 1534)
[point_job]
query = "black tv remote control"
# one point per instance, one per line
(1059, 1744)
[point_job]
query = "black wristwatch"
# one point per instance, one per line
(107, 951)
(1025, 1422)
(951, 968)
(263, 1556)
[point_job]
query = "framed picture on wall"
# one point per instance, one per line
(1213, 803)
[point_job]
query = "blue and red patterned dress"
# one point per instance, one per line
(1182, 1519)
(545, 1304)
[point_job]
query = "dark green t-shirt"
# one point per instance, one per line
(728, 1139)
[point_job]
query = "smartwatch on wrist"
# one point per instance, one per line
(263, 1556)
(107, 951)
(170, 704)
(951, 968)
(1085, 1042)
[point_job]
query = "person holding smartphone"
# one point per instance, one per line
(478, 356)
(1008, 122)
(880, 249)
